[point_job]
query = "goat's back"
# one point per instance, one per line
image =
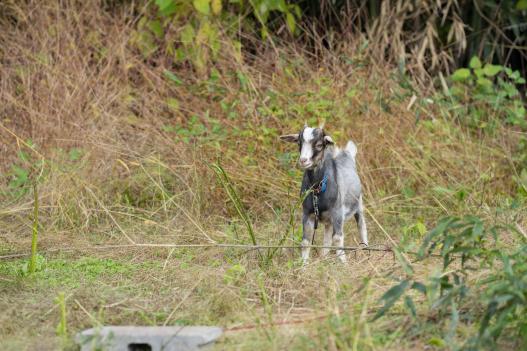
(348, 180)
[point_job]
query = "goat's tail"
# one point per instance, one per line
(351, 148)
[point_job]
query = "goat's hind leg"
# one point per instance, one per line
(361, 223)
(308, 228)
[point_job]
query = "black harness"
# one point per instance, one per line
(317, 189)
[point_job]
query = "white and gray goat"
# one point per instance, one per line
(336, 195)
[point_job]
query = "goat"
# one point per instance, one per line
(336, 195)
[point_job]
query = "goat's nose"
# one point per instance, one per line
(303, 160)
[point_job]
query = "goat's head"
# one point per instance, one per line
(312, 143)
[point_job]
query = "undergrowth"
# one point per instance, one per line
(134, 148)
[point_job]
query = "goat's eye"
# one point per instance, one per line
(319, 147)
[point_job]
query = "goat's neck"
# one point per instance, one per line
(316, 174)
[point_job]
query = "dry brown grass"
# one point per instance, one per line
(70, 79)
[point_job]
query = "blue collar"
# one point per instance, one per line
(324, 183)
(321, 186)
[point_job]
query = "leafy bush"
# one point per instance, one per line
(497, 303)
(484, 95)
(195, 31)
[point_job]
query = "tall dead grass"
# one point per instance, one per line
(117, 169)
(71, 79)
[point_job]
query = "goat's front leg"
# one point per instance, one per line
(338, 237)
(308, 228)
(328, 233)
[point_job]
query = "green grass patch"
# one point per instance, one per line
(62, 272)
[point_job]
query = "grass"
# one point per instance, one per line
(34, 239)
(128, 153)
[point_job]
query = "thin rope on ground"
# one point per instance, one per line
(371, 248)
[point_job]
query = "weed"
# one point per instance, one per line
(233, 195)
(62, 330)
(500, 292)
(34, 238)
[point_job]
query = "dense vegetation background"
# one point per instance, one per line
(142, 122)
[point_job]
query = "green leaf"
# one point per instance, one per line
(521, 5)
(187, 35)
(391, 296)
(20, 177)
(421, 228)
(484, 82)
(477, 229)
(216, 7)
(419, 287)
(203, 6)
(171, 76)
(180, 55)
(351, 93)
(454, 320)
(474, 63)
(461, 75)
(75, 154)
(298, 11)
(436, 341)
(491, 70)
(173, 104)
(144, 40)
(407, 267)
(156, 28)
(291, 22)
(409, 303)
(166, 7)
(237, 52)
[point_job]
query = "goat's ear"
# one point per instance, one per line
(291, 138)
(328, 140)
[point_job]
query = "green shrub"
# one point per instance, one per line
(485, 95)
(497, 303)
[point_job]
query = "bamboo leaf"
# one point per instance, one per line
(407, 267)
(409, 303)
(391, 296)
(419, 287)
